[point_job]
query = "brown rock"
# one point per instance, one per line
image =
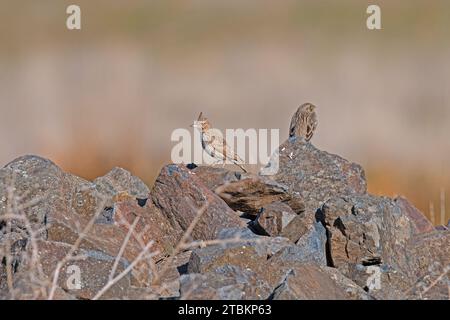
(252, 194)
(420, 222)
(430, 264)
(298, 227)
(120, 180)
(94, 270)
(170, 270)
(211, 286)
(273, 219)
(180, 195)
(309, 281)
(213, 177)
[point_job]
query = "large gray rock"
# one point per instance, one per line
(119, 180)
(310, 246)
(314, 174)
(367, 238)
(309, 281)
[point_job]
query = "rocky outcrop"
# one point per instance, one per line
(309, 231)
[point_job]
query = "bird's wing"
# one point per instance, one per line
(312, 124)
(294, 122)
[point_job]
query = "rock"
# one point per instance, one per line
(108, 235)
(62, 205)
(180, 195)
(310, 246)
(120, 180)
(342, 243)
(314, 174)
(273, 219)
(257, 266)
(212, 287)
(252, 194)
(430, 264)
(298, 226)
(309, 281)
(35, 188)
(213, 177)
(169, 272)
(94, 270)
(366, 233)
(243, 251)
(420, 222)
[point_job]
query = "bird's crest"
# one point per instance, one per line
(200, 117)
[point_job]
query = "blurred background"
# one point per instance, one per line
(112, 93)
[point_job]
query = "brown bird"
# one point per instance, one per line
(214, 143)
(304, 122)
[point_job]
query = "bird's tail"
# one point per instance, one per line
(241, 166)
(237, 161)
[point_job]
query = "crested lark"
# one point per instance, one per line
(214, 143)
(304, 122)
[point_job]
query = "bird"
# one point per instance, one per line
(214, 144)
(304, 122)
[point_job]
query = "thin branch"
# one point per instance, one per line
(122, 249)
(110, 283)
(72, 250)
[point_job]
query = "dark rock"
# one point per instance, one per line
(316, 175)
(420, 222)
(180, 195)
(191, 166)
(273, 219)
